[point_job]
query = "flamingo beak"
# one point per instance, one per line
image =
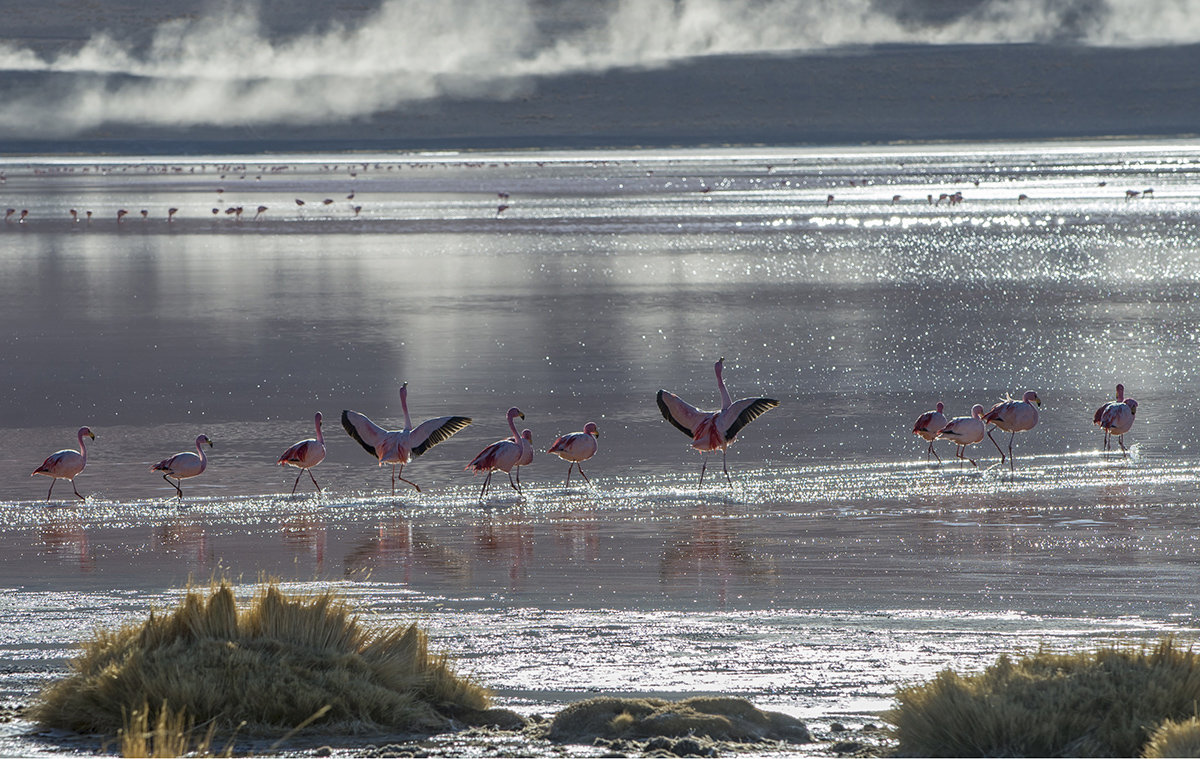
(92, 435)
(210, 444)
(522, 415)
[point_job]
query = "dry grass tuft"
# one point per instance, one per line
(717, 718)
(172, 735)
(1180, 739)
(265, 668)
(1101, 703)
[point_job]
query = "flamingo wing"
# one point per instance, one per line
(368, 434)
(681, 414)
(741, 413)
(1100, 412)
(429, 433)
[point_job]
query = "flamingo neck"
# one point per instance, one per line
(320, 438)
(82, 448)
(1120, 393)
(513, 427)
(725, 400)
(404, 405)
(200, 450)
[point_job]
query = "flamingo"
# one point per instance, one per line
(577, 447)
(305, 455)
(711, 430)
(964, 431)
(928, 426)
(1100, 411)
(1117, 419)
(398, 447)
(184, 465)
(1013, 416)
(526, 443)
(66, 464)
(502, 454)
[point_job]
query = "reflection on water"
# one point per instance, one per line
(838, 564)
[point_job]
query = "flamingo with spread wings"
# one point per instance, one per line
(398, 447)
(710, 430)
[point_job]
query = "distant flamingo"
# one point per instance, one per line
(526, 443)
(261, 211)
(66, 464)
(74, 215)
(928, 425)
(181, 466)
(711, 430)
(24, 215)
(171, 213)
(121, 213)
(1013, 416)
(1104, 407)
(398, 447)
(577, 447)
(8, 213)
(501, 455)
(964, 431)
(1117, 419)
(305, 455)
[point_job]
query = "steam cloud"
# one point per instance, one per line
(225, 69)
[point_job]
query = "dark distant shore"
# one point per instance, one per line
(880, 95)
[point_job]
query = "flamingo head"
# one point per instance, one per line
(86, 432)
(404, 390)
(203, 440)
(717, 367)
(590, 428)
(318, 418)
(1120, 392)
(977, 411)
(527, 434)
(1031, 397)
(941, 407)
(514, 412)
(1132, 404)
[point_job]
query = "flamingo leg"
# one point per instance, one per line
(998, 449)
(1106, 441)
(725, 466)
(935, 453)
(77, 491)
(703, 466)
(1120, 441)
(581, 474)
(486, 480)
(51, 490)
(297, 482)
(314, 479)
(393, 479)
(172, 484)
(1012, 465)
(514, 485)
(402, 479)
(569, 473)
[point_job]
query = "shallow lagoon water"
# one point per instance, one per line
(838, 565)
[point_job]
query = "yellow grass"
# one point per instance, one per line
(1175, 739)
(1100, 703)
(171, 735)
(265, 667)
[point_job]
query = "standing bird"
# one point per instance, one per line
(577, 447)
(398, 447)
(66, 464)
(305, 455)
(928, 426)
(964, 431)
(1100, 411)
(502, 454)
(711, 430)
(184, 465)
(1013, 416)
(1117, 419)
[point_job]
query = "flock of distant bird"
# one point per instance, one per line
(709, 430)
(1013, 416)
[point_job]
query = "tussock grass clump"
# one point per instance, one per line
(718, 718)
(1181, 739)
(1100, 703)
(172, 734)
(263, 668)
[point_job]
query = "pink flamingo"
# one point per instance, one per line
(398, 447)
(711, 430)
(66, 464)
(305, 455)
(526, 443)
(928, 425)
(1117, 419)
(1100, 411)
(964, 431)
(1013, 416)
(171, 213)
(181, 466)
(502, 455)
(577, 447)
